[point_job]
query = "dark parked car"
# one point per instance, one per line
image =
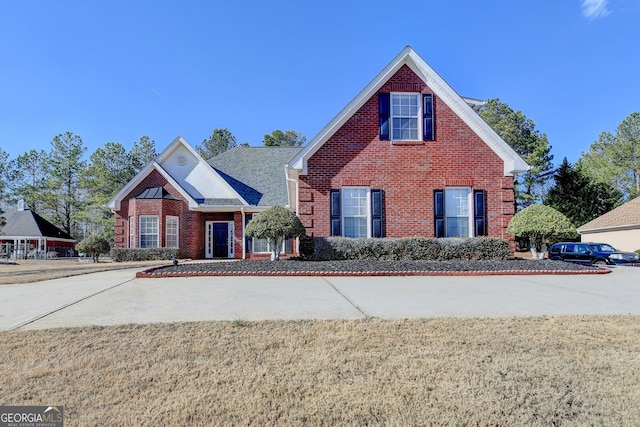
(591, 253)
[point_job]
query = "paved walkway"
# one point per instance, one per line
(117, 297)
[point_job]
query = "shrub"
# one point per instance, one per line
(93, 245)
(541, 224)
(275, 224)
(146, 254)
(307, 246)
(413, 248)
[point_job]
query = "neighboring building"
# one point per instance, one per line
(28, 235)
(406, 157)
(619, 227)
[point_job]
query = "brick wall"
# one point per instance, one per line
(408, 174)
(191, 225)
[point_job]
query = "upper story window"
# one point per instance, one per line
(406, 116)
(405, 110)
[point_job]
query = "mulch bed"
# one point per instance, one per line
(369, 268)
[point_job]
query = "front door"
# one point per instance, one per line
(219, 239)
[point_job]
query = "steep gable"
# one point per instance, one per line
(186, 171)
(512, 163)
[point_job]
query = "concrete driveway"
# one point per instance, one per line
(117, 297)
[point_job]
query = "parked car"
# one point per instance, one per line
(591, 253)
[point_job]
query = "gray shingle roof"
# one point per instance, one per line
(256, 173)
(26, 223)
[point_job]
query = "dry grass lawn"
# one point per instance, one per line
(500, 371)
(27, 271)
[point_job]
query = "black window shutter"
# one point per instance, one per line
(336, 229)
(438, 210)
(428, 131)
(377, 213)
(247, 239)
(480, 212)
(384, 102)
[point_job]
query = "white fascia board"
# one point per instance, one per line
(300, 161)
(203, 163)
(233, 208)
(513, 163)
(609, 228)
(116, 202)
(192, 203)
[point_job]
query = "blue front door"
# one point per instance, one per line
(219, 240)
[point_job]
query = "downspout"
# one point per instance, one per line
(244, 238)
(295, 182)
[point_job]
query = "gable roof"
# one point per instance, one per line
(26, 223)
(256, 173)
(624, 216)
(513, 163)
(188, 173)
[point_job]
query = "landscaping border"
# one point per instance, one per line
(156, 273)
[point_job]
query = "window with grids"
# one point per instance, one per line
(132, 230)
(457, 208)
(405, 109)
(355, 211)
(171, 232)
(148, 231)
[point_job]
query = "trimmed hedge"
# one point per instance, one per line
(411, 248)
(146, 254)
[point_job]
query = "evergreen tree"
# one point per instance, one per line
(142, 153)
(578, 197)
(4, 173)
(614, 159)
(289, 138)
(27, 179)
(520, 133)
(218, 142)
(63, 183)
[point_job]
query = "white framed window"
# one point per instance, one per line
(263, 246)
(459, 217)
(132, 231)
(355, 211)
(148, 231)
(259, 245)
(405, 117)
(171, 233)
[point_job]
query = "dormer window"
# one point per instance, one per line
(406, 116)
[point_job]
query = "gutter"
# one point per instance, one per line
(244, 239)
(297, 186)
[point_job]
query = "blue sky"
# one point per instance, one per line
(116, 70)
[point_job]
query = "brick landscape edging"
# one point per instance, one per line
(151, 273)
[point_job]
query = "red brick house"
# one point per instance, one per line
(406, 157)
